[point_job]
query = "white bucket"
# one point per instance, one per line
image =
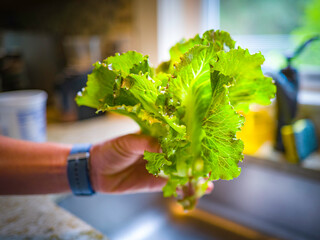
(23, 115)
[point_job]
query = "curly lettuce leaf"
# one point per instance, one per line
(105, 82)
(221, 150)
(219, 40)
(156, 162)
(250, 85)
(183, 46)
(191, 104)
(192, 86)
(148, 124)
(129, 62)
(145, 89)
(99, 86)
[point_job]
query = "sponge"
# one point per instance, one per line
(299, 140)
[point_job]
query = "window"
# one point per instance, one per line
(259, 25)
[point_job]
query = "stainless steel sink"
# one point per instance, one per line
(150, 216)
(267, 201)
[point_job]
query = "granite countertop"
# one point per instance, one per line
(38, 216)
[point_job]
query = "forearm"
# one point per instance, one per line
(32, 168)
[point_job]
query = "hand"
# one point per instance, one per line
(117, 166)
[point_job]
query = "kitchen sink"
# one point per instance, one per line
(150, 216)
(268, 201)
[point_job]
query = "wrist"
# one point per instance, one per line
(78, 170)
(93, 169)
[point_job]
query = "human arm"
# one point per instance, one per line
(32, 168)
(115, 166)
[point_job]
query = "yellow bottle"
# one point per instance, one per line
(259, 128)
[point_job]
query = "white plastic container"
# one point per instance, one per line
(23, 115)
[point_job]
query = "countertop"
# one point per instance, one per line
(38, 216)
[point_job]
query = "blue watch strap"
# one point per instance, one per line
(81, 148)
(78, 171)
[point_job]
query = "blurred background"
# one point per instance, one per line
(51, 46)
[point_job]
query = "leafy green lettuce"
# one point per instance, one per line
(190, 103)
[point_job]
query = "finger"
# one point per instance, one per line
(120, 153)
(210, 188)
(137, 144)
(136, 179)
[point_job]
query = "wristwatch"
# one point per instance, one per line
(78, 170)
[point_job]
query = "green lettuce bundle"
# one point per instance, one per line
(191, 104)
